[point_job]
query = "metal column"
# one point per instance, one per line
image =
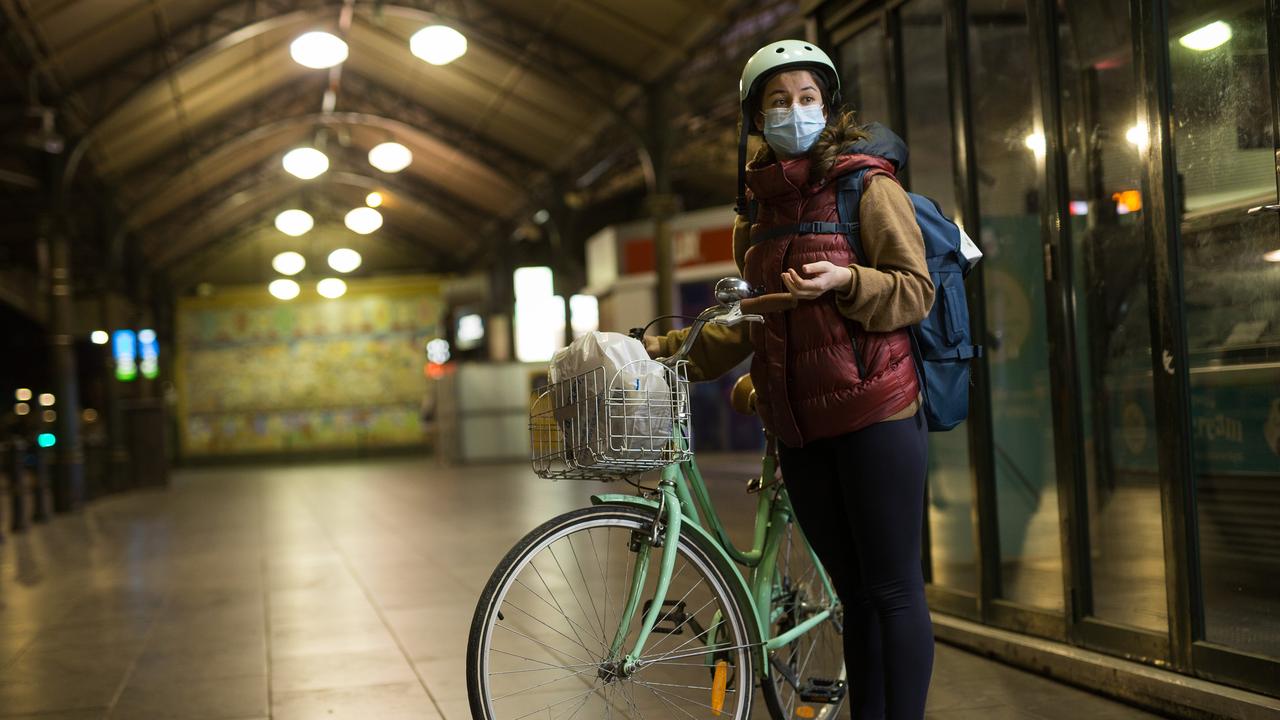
(68, 490)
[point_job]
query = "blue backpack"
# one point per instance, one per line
(941, 342)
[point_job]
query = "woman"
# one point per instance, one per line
(834, 376)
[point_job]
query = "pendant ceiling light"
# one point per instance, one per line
(284, 289)
(294, 222)
(344, 260)
(288, 263)
(390, 157)
(438, 44)
(373, 199)
(318, 50)
(331, 288)
(305, 163)
(363, 220)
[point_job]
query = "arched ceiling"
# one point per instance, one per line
(182, 109)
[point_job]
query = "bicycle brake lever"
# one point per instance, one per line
(734, 316)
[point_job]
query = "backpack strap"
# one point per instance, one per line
(809, 228)
(848, 202)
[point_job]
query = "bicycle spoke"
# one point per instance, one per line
(553, 596)
(535, 687)
(540, 662)
(565, 575)
(526, 637)
(544, 624)
(554, 704)
(674, 695)
(695, 637)
(566, 617)
(583, 575)
(663, 699)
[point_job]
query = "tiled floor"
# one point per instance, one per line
(326, 591)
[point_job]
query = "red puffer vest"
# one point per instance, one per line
(808, 386)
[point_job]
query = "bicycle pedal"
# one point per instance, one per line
(673, 619)
(819, 690)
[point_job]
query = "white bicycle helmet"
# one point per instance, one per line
(781, 55)
(785, 55)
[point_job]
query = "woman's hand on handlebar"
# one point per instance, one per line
(823, 277)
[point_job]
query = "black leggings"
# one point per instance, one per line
(859, 498)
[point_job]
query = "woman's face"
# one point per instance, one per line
(793, 87)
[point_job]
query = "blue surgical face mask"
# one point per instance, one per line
(791, 131)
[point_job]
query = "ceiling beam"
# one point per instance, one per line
(246, 189)
(237, 22)
(183, 268)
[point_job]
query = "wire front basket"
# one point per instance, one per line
(603, 425)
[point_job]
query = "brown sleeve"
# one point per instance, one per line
(741, 241)
(717, 350)
(893, 289)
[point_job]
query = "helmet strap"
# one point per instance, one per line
(740, 204)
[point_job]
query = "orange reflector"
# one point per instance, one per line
(805, 711)
(718, 685)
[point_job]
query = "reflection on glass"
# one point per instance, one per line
(1113, 333)
(1223, 143)
(864, 82)
(928, 131)
(1017, 339)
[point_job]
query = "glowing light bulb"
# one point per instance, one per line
(438, 44)
(288, 263)
(318, 50)
(295, 222)
(331, 288)
(363, 220)
(344, 260)
(390, 157)
(1206, 38)
(305, 163)
(284, 289)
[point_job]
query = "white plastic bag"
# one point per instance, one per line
(636, 423)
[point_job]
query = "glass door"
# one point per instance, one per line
(1223, 72)
(1122, 531)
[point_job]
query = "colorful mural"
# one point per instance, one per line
(256, 375)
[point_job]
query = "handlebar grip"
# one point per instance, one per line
(773, 302)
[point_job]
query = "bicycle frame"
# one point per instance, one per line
(683, 493)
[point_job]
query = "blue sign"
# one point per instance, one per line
(150, 351)
(124, 347)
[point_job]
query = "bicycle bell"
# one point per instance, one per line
(731, 290)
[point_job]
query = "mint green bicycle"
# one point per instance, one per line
(636, 607)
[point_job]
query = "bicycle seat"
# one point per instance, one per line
(743, 396)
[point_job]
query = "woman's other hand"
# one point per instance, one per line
(652, 345)
(823, 276)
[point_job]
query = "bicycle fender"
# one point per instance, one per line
(725, 564)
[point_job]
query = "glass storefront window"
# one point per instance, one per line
(928, 131)
(1006, 145)
(1224, 147)
(1113, 329)
(864, 80)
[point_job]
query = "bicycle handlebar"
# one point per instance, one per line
(735, 307)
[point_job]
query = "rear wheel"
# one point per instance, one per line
(541, 635)
(807, 677)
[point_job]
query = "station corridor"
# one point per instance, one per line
(336, 591)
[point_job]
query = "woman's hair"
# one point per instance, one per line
(842, 130)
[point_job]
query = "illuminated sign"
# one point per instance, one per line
(149, 349)
(124, 347)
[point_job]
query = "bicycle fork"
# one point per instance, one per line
(665, 533)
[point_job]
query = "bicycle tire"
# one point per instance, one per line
(619, 521)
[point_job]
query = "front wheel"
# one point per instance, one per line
(542, 634)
